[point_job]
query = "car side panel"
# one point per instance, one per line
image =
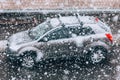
(59, 48)
(96, 38)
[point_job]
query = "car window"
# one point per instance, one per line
(58, 34)
(81, 31)
(39, 30)
(86, 31)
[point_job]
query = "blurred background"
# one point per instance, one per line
(53, 4)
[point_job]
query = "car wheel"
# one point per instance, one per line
(28, 59)
(97, 54)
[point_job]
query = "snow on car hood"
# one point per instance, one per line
(19, 38)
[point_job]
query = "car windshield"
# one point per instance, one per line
(39, 30)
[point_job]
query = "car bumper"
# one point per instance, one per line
(11, 54)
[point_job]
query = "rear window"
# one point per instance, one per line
(103, 26)
(96, 28)
(81, 31)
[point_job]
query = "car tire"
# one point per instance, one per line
(97, 54)
(28, 59)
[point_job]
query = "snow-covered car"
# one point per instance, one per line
(59, 37)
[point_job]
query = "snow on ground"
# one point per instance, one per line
(3, 45)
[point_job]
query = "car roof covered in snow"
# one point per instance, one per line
(71, 20)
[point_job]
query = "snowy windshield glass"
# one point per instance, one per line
(39, 30)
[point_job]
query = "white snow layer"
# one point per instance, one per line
(3, 45)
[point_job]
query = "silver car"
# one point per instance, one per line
(59, 37)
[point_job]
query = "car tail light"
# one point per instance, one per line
(96, 19)
(109, 36)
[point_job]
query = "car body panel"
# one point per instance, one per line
(63, 47)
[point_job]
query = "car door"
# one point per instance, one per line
(75, 31)
(80, 37)
(57, 42)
